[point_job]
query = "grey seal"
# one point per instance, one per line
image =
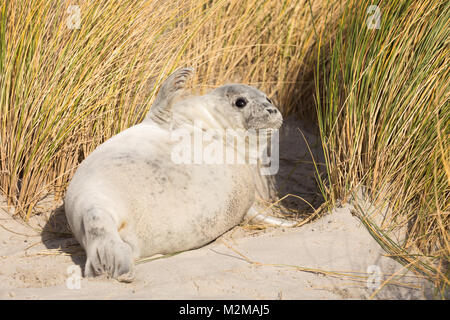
(128, 199)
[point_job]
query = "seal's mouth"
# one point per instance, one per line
(278, 122)
(275, 122)
(266, 123)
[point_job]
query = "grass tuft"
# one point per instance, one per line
(384, 116)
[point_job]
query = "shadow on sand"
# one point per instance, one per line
(300, 147)
(57, 235)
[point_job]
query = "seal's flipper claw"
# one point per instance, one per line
(178, 79)
(88, 269)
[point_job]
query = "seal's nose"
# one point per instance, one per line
(270, 108)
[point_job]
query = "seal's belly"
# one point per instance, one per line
(189, 206)
(170, 207)
(176, 207)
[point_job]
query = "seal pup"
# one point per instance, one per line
(129, 199)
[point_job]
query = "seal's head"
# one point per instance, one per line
(249, 106)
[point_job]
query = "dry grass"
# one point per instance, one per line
(385, 121)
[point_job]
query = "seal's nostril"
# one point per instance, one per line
(271, 110)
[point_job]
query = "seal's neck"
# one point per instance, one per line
(210, 111)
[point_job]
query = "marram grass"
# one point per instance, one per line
(379, 96)
(384, 114)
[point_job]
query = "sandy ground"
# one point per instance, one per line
(333, 257)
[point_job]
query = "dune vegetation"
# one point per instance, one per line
(74, 73)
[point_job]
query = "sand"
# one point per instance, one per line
(333, 257)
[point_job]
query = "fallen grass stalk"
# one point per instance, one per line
(352, 275)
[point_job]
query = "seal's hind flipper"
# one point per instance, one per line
(160, 111)
(255, 217)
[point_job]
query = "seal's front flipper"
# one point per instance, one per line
(110, 257)
(105, 250)
(160, 111)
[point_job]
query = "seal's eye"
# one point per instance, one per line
(270, 101)
(240, 103)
